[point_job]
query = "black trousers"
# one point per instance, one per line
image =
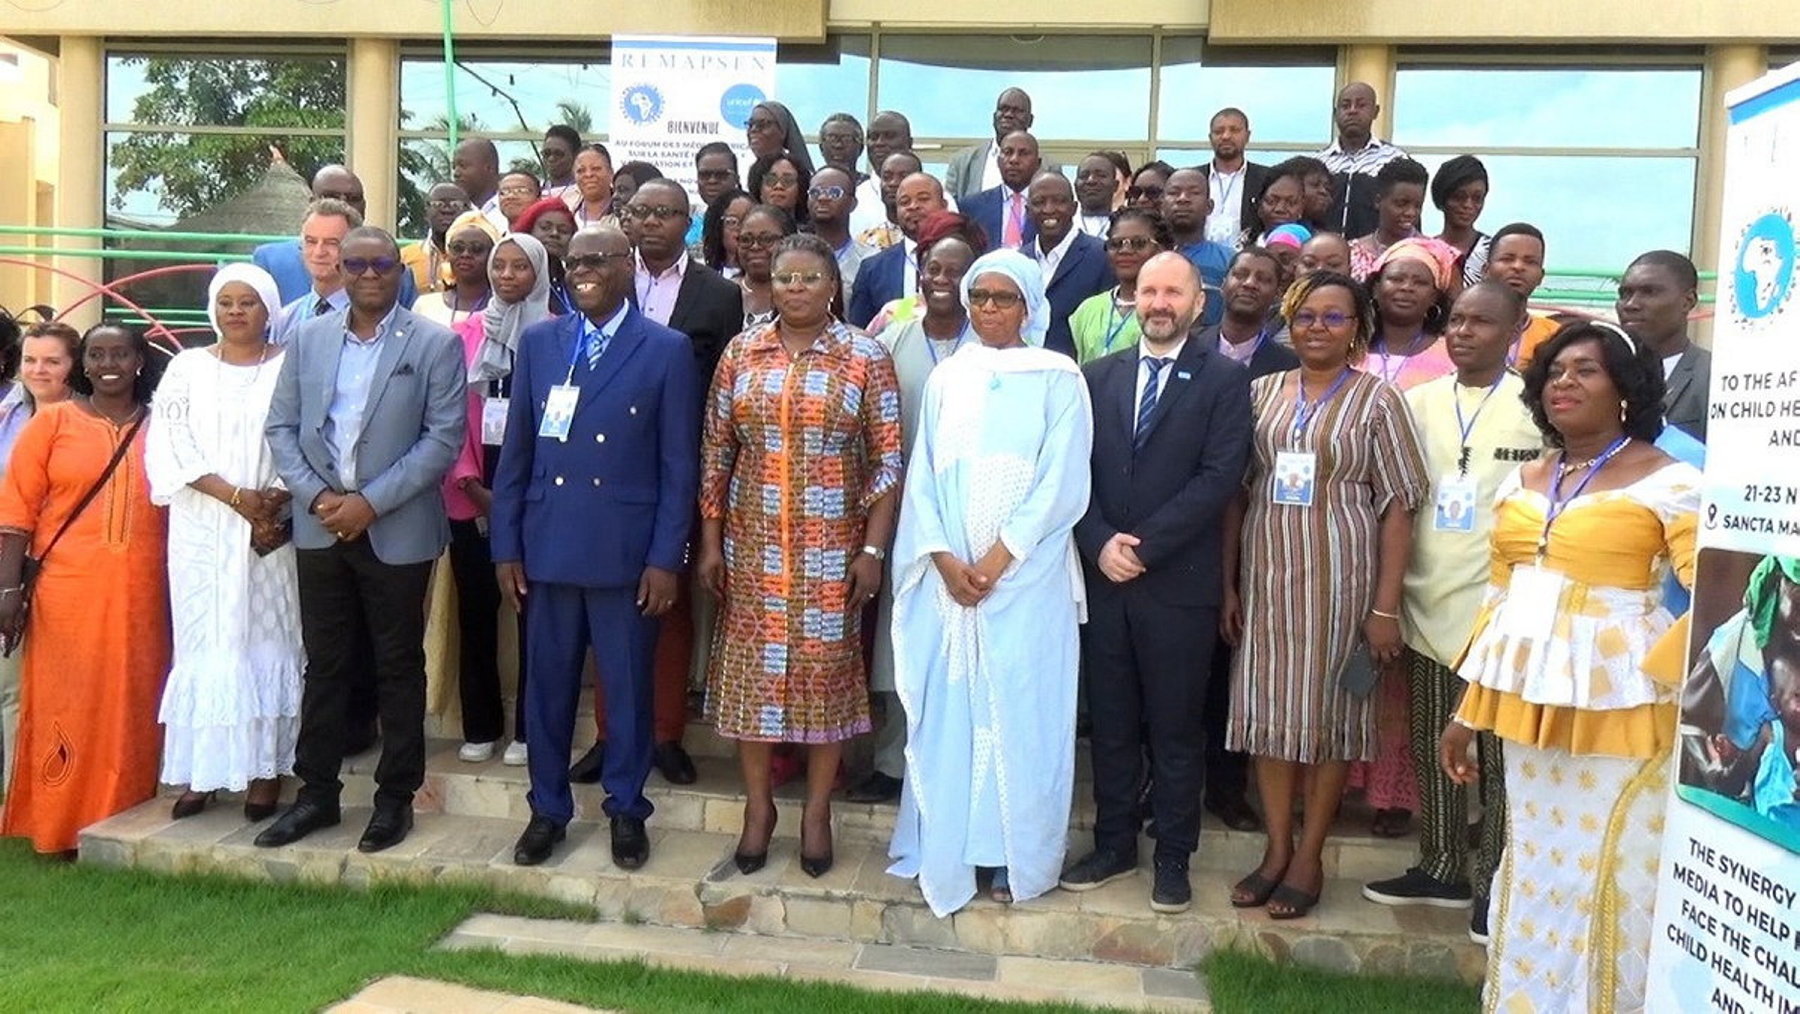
(1147, 666)
(1227, 771)
(348, 597)
(478, 656)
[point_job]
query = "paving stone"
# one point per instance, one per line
(831, 919)
(790, 950)
(1172, 982)
(923, 961)
(729, 914)
(1078, 976)
(914, 924)
(1333, 954)
(402, 993)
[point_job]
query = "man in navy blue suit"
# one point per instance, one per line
(1074, 263)
(1002, 210)
(593, 502)
(894, 273)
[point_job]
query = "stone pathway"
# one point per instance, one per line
(864, 965)
(399, 993)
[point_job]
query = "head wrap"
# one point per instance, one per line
(792, 137)
(1292, 234)
(1437, 255)
(259, 280)
(501, 322)
(473, 219)
(1762, 597)
(538, 209)
(1024, 273)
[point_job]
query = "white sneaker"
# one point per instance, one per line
(515, 756)
(475, 753)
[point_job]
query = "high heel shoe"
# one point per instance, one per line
(256, 812)
(190, 804)
(815, 866)
(750, 862)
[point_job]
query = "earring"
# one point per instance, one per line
(1622, 408)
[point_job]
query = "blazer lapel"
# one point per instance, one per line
(625, 342)
(1680, 378)
(328, 360)
(1125, 373)
(393, 347)
(1180, 379)
(684, 304)
(1078, 252)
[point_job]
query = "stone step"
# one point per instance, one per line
(691, 882)
(715, 804)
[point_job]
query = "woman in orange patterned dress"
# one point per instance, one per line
(98, 647)
(798, 473)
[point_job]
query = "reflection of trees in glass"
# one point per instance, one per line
(193, 172)
(425, 162)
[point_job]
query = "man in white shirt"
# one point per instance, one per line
(1355, 157)
(475, 167)
(1234, 181)
(1075, 264)
(889, 132)
(1096, 181)
(977, 167)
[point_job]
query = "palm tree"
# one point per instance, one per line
(576, 115)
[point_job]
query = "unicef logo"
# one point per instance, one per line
(737, 101)
(641, 103)
(1763, 271)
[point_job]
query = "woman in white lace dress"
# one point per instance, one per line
(231, 706)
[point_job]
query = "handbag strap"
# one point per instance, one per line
(99, 484)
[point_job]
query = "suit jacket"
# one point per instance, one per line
(989, 208)
(709, 310)
(412, 431)
(969, 165)
(1172, 492)
(1688, 391)
(878, 280)
(283, 263)
(618, 495)
(1084, 271)
(1250, 185)
(1270, 357)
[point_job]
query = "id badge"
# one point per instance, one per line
(1294, 477)
(1455, 509)
(1532, 599)
(559, 412)
(493, 421)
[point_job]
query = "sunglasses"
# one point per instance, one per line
(752, 240)
(798, 277)
(648, 211)
(516, 191)
(357, 266)
(449, 205)
(830, 192)
(715, 174)
(757, 123)
(781, 180)
(1135, 193)
(1115, 244)
(593, 261)
(998, 300)
(464, 249)
(1330, 319)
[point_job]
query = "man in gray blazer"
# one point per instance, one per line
(367, 417)
(977, 167)
(1659, 290)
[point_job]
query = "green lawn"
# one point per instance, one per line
(1243, 983)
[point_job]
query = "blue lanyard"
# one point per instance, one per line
(1112, 330)
(1261, 337)
(1560, 503)
(582, 327)
(1462, 457)
(1303, 411)
(931, 344)
(1404, 359)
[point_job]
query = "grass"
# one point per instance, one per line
(1243, 982)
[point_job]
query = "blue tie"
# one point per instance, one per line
(1147, 403)
(596, 340)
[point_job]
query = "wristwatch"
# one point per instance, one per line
(876, 551)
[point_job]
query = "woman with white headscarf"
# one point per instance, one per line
(231, 706)
(988, 596)
(519, 276)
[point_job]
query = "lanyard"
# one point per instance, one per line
(1229, 182)
(1462, 457)
(1560, 503)
(582, 327)
(1112, 329)
(1387, 356)
(1303, 410)
(1261, 337)
(931, 343)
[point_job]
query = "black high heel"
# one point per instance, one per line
(190, 804)
(255, 812)
(750, 862)
(815, 866)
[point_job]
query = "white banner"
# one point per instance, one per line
(1727, 927)
(672, 94)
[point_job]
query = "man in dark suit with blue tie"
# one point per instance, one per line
(1074, 263)
(1171, 437)
(593, 502)
(1002, 211)
(893, 273)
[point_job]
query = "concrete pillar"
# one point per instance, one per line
(19, 206)
(1727, 67)
(81, 197)
(373, 88)
(1375, 65)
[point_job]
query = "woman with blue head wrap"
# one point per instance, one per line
(987, 601)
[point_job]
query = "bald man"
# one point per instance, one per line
(977, 167)
(894, 272)
(475, 167)
(1074, 264)
(1355, 157)
(283, 260)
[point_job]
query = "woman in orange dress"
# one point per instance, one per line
(98, 647)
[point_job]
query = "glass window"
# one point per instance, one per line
(1088, 87)
(425, 162)
(1472, 107)
(508, 96)
(224, 91)
(1285, 93)
(816, 81)
(204, 182)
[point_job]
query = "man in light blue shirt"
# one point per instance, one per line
(350, 398)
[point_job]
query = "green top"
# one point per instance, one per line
(1096, 321)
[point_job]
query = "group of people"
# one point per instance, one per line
(1228, 467)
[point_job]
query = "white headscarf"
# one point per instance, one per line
(1024, 273)
(260, 281)
(501, 322)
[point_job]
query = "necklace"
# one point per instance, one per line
(1568, 467)
(136, 410)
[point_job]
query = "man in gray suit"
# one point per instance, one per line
(1656, 295)
(367, 417)
(977, 167)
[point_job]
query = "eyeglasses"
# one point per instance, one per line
(449, 204)
(1330, 319)
(781, 180)
(356, 266)
(998, 300)
(714, 174)
(593, 261)
(517, 192)
(647, 211)
(756, 123)
(830, 192)
(1135, 193)
(730, 221)
(464, 249)
(1134, 243)
(798, 277)
(752, 240)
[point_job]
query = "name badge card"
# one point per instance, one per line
(1294, 477)
(559, 412)
(493, 421)
(1529, 609)
(1455, 509)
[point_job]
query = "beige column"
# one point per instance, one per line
(373, 87)
(1375, 65)
(1727, 67)
(81, 195)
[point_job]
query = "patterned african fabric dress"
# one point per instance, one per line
(1308, 572)
(97, 641)
(1588, 735)
(797, 448)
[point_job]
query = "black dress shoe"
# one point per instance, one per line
(300, 820)
(675, 764)
(256, 813)
(386, 829)
(630, 843)
(1234, 812)
(540, 837)
(877, 788)
(586, 771)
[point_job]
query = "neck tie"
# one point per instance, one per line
(322, 307)
(1147, 403)
(1013, 233)
(596, 340)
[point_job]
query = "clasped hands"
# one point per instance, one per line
(970, 583)
(262, 508)
(345, 515)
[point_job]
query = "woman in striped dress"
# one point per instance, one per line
(1335, 474)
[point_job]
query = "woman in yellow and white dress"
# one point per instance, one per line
(1581, 541)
